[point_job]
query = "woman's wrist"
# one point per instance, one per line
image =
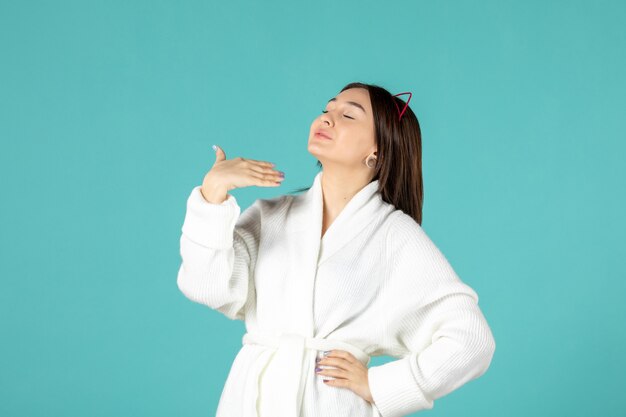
(214, 195)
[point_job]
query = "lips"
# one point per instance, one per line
(322, 133)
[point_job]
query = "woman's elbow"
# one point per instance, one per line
(482, 347)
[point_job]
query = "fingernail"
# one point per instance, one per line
(318, 369)
(215, 148)
(282, 174)
(318, 359)
(326, 352)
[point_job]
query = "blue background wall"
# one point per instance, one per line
(108, 111)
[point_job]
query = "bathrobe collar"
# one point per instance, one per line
(361, 210)
(307, 250)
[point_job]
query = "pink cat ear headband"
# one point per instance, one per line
(405, 106)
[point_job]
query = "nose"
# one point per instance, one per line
(325, 117)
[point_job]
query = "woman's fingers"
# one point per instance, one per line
(343, 354)
(261, 169)
(337, 363)
(266, 179)
(220, 155)
(259, 166)
(350, 373)
(264, 163)
(335, 373)
(265, 172)
(241, 172)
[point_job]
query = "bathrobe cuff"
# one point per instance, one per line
(209, 224)
(394, 390)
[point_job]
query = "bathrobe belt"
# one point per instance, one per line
(283, 381)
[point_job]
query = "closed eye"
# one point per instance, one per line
(325, 111)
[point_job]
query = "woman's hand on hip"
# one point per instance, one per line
(351, 373)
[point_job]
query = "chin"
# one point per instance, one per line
(314, 150)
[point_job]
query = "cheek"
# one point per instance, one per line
(353, 146)
(359, 139)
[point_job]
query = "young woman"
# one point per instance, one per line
(326, 279)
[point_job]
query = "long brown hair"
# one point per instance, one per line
(399, 151)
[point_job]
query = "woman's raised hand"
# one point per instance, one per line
(227, 174)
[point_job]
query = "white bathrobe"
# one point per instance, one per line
(374, 284)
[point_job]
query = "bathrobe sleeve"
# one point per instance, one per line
(432, 323)
(218, 248)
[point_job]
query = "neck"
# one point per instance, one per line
(338, 187)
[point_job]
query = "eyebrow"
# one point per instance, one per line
(353, 103)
